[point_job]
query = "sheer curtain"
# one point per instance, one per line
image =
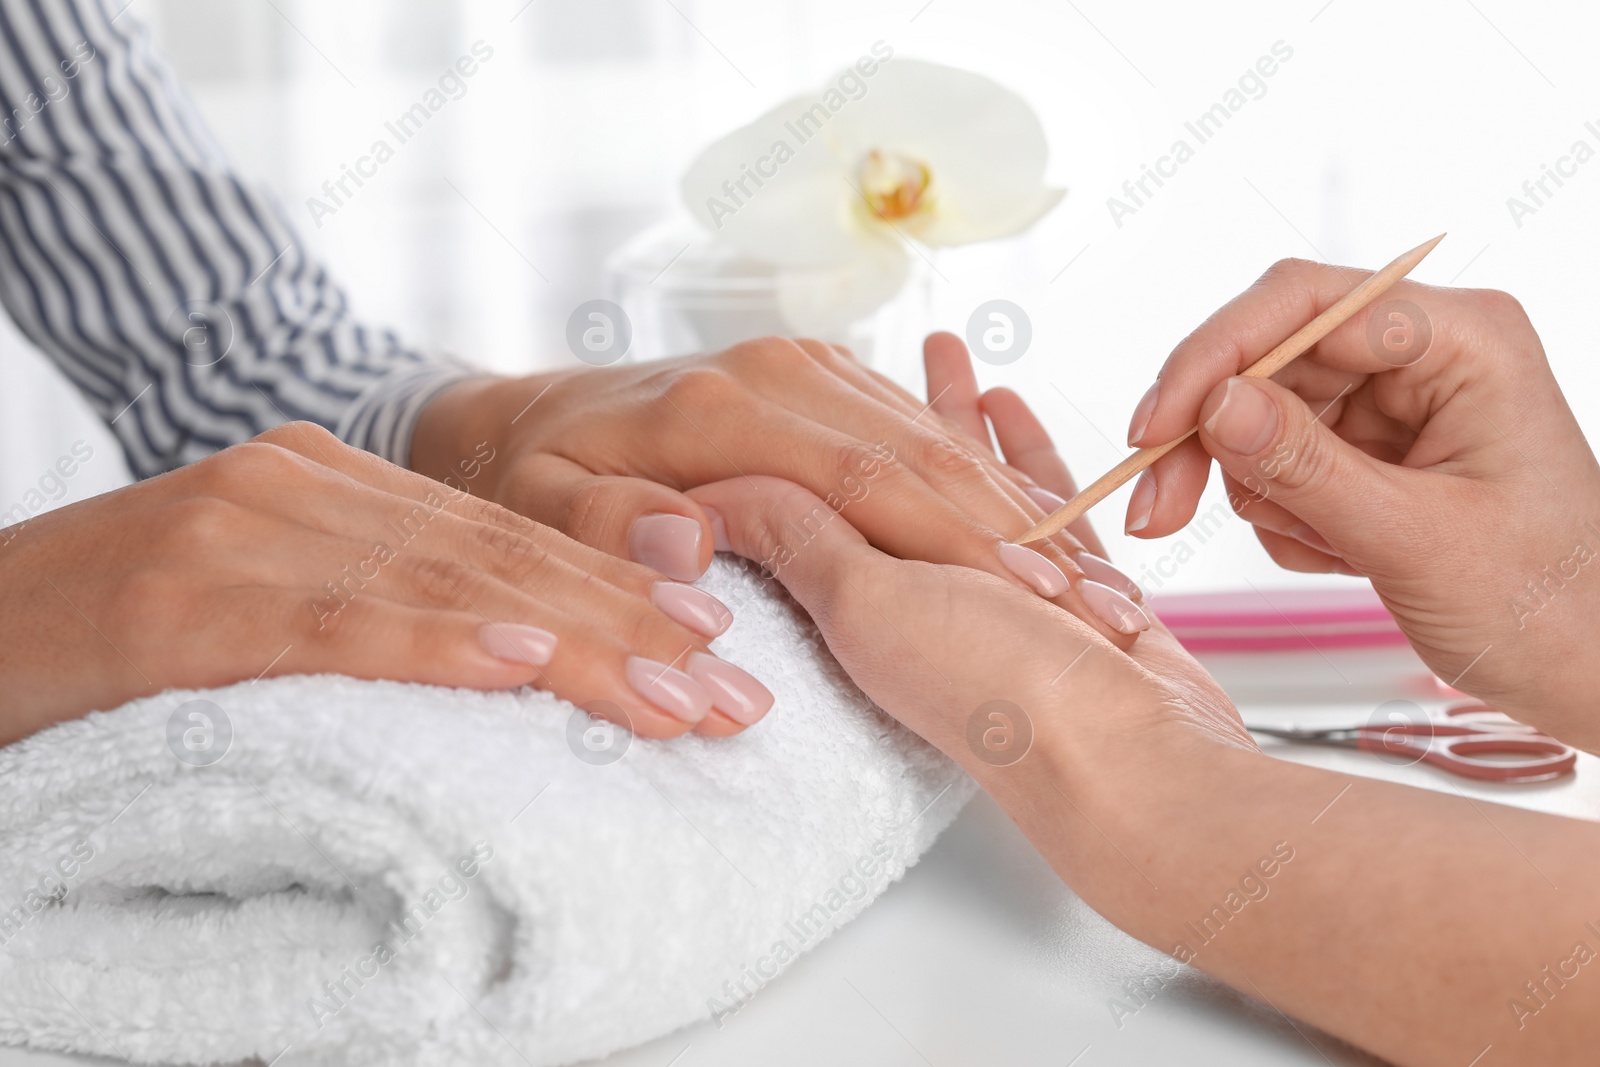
(489, 223)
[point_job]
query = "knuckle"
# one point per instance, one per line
(1300, 460)
(337, 625)
(1289, 269)
(437, 580)
(591, 511)
(477, 509)
(950, 459)
(768, 549)
(762, 352)
(198, 524)
(302, 438)
(857, 459)
(1500, 304)
(519, 558)
(700, 386)
(817, 351)
(254, 460)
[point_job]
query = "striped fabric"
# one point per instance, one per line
(171, 292)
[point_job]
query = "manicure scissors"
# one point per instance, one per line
(1452, 742)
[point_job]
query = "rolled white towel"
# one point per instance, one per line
(370, 872)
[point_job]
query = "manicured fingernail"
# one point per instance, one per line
(734, 692)
(1116, 610)
(518, 643)
(719, 529)
(699, 611)
(1307, 536)
(1044, 498)
(1246, 420)
(1142, 503)
(1100, 570)
(1141, 414)
(1045, 577)
(669, 689)
(667, 543)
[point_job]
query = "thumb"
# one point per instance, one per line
(630, 518)
(1274, 445)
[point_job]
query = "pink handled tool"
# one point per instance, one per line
(1453, 742)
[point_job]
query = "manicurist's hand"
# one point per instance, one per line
(296, 554)
(606, 455)
(1424, 444)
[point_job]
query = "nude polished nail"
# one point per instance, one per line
(734, 692)
(1044, 498)
(666, 543)
(518, 643)
(1114, 609)
(694, 608)
(1044, 577)
(1100, 570)
(669, 689)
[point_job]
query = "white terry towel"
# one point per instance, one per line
(385, 873)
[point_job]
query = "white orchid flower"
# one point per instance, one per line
(833, 187)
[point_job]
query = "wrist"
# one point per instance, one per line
(1557, 697)
(1096, 799)
(1115, 764)
(1541, 667)
(1142, 828)
(467, 424)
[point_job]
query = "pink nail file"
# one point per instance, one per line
(1279, 620)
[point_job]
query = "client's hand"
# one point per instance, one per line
(1425, 444)
(959, 640)
(1131, 775)
(970, 662)
(296, 554)
(606, 455)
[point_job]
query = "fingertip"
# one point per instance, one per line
(642, 720)
(943, 343)
(1001, 397)
(1178, 479)
(945, 361)
(716, 724)
(719, 529)
(1293, 554)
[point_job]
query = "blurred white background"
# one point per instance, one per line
(1390, 123)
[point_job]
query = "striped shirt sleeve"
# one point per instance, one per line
(171, 292)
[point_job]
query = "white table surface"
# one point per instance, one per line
(980, 956)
